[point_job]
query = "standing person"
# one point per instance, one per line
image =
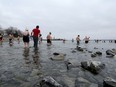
(26, 38)
(40, 38)
(64, 40)
(86, 39)
(72, 40)
(78, 39)
(1, 39)
(18, 39)
(49, 39)
(35, 33)
(11, 37)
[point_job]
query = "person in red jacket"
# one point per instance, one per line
(35, 33)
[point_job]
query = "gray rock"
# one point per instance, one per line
(95, 48)
(80, 49)
(110, 52)
(85, 64)
(93, 66)
(68, 81)
(96, 67)
(35, 72)
(109, 82)
(59, 57)
(71, 64)
(99, 53)
(81, 82)
(93, 55)
(73, 51)
(49, 82)
(89, 51)
(56, 53)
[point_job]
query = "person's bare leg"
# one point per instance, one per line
(24, 44)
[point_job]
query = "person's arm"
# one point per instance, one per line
(47, 37)
(76, 38)
(32, 33)
(39, 33)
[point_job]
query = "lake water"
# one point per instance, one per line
(18, 66)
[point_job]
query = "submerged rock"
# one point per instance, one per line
(56, 53)
(36, 72)
(111, 52)
(49, 82)
(96, 67)
(99, 53)
(93, 55)
(81, 82)
(89, 51)
(80, 49)
(85, 64)
(71, 64)
(59, 57)
(93, 66)
(109, 82)
(95, 48)
(73, 51)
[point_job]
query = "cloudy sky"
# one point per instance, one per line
(64, 18)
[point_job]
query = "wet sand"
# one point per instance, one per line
(21, 67)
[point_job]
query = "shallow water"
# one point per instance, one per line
(18, 64)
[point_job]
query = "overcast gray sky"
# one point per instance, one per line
(64, 18)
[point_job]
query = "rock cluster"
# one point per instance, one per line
(93, 66)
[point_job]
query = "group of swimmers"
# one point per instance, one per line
(35, 35)
(86, 39)
(10, 39)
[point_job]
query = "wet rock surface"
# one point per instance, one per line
(21, 67)
(81, 82)
(58, 56)
(49, 82)
(111, 52)
(93, 66)
(109, 82)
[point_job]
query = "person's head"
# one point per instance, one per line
(78, 35)
(49, 32)
(37, 26)
(26, 29)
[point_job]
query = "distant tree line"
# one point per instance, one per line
(10, 30)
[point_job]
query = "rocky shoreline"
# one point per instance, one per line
(59, 65)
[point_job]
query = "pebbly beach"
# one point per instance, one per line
(59, 65)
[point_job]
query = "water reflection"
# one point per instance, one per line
(36, 57)
(31, 58)
(26, 55)
(49, 52)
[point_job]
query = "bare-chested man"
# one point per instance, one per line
(49, 39)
